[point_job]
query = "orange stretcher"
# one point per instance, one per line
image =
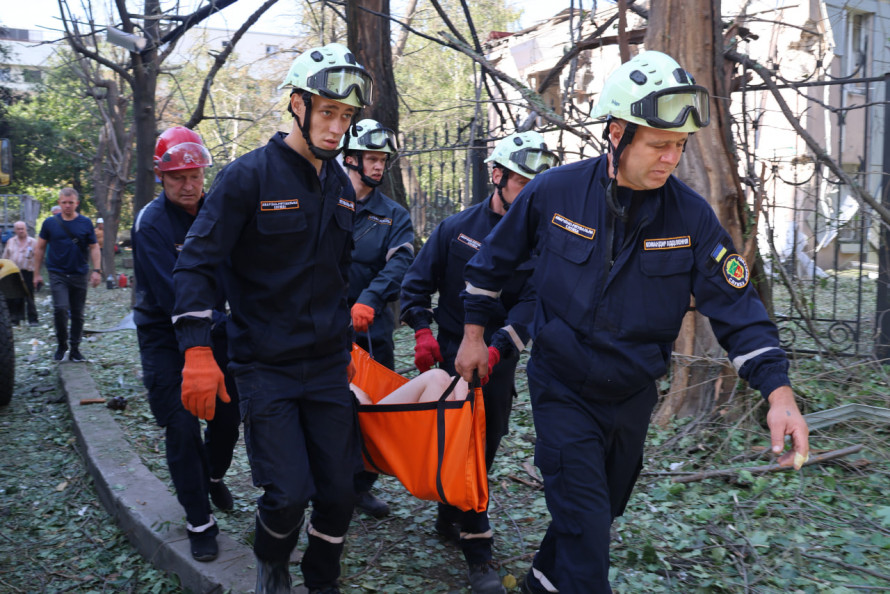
(435, 449)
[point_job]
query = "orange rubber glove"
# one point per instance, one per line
(202, 381)
(426, 350)
(494, 357)
(362, 317)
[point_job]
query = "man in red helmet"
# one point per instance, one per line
(197, 465)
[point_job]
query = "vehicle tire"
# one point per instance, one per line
(7, 355)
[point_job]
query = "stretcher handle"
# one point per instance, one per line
(473, 385)
(449, 389)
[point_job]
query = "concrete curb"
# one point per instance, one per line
(142, 505)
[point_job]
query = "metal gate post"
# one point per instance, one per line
(882, 305)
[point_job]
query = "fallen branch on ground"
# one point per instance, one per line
(769, 468)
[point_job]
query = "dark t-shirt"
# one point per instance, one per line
(68, 252)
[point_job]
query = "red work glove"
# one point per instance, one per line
(202, 381)
(426, 350)
(362, 317)
(494, 357)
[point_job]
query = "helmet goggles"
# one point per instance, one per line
(377, 139)
(339, 81)
(534, 160)
(670, 108)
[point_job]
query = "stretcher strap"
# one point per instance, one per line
(361, 439)
(440, 434)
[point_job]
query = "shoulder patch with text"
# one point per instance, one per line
(573, 227)
(735, 270)
(670, 243)
(346, 204)
(267, 205)
(379, 220)
(473, 243)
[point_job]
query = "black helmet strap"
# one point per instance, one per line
(630, 129)
(499, 188)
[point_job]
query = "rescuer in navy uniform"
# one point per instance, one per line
(278, 223)
(622, 246)
(439, 268)
(197, 465)
(384, 248)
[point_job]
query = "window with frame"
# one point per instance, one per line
(32, 76)
(859, 38)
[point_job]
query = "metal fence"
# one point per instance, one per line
(822, 246)
(443, 171)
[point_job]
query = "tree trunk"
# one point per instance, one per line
(690, 32)
(368, 36)
(145, 78)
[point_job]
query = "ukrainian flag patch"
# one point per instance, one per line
(718, 253)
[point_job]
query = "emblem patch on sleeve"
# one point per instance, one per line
(718, 253)
(735, 270)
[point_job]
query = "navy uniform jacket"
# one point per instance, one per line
(440, 267)
(283, 242)
(607, 315)
(384, 248)
(158, 235)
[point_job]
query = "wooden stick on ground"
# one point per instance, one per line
(92, 401)
(768, 468)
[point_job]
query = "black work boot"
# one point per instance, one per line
(203, 542)
(484, 579)
(272, 577)
(221, 496)
(75, 354)
(371, 505)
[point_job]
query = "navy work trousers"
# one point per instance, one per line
(192, 461)
(590, 452)
(69, 293)
(301, 437)
(498, 394)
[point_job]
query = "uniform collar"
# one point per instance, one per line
(374, 202)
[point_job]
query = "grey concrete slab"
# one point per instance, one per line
(143, 506)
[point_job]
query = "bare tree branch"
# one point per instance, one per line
(592, 41)
(73, 36)
(533, 99)
(820, 153)
(220, 60)
(399, 49)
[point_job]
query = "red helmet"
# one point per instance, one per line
(181, 148)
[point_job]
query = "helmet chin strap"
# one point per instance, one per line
(612, 202)
(319, 153)
(371, 183)
(499, 188)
